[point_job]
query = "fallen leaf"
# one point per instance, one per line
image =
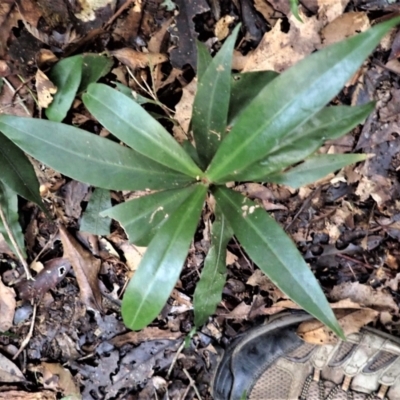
(183, 111)
(135, 59)
(148, 333)
(264, 283)
(22, 395)
(9, 372)
(222, 27)
(44, 89)
(86, 268)
(279, 50)
(58, 378)
(344, 26)
(133, 255)
(351, 322)
(7, 307)
(378, 299)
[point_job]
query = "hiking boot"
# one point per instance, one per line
(271, 362)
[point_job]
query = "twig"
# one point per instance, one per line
(192, 383)
(354, 260)
(179, 351)
(15, 244)
(118, 13)
(305, 204)
(18, 96)
(244, 256)
(29, 335)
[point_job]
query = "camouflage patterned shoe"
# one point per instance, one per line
(271, 362)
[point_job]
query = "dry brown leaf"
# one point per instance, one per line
(230, 258)
(157, 38)
(87, 8)
(58, 378)
(22, 395)
(222, 27)
(9, 372)
(8, 19)
(86, 268)
(241, 311)
(279, 50)
(351, 321)
(133, 255)
(135, 59)
(378, 299)
(183, 110)
(7, 307)
(344, 26)
(45, 56)
(264, 283)
(44, 89)
(148, 333)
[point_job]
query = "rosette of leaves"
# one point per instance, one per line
(257, 127)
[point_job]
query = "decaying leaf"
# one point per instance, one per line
(148, 333)
(222, 27)
(7, 307)
(378, 299)
(88, 8)
(86, 268)
(58, 378)
(279, 50)
(135, 59)
(184, 111)
(344, 26)
(9, 372)
(23, 395)
(44, 89)
(351, 321)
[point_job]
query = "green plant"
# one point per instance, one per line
(246, 127)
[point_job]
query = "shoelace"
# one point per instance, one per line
(334, 390)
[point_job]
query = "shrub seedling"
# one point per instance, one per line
(257, 127)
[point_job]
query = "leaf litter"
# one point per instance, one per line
(347, 226)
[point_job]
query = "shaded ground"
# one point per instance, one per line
(347, 226)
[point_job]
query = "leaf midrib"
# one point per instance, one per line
(94, 160)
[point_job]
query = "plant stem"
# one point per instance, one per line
(15, 244)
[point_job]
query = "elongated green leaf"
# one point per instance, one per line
(275, 254)
(191, 150)
(294, 8)
(9, 206)
(94, 66)
(314, 168)
(129, 122)
(290, 100)
(17, 172)
(245, 87)
(204, 59)
(329, 123)
(66, 75)
(142, 217)
(91, 221)
(211, 103)
(88, 158)
(208, 291)
(150, 287)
